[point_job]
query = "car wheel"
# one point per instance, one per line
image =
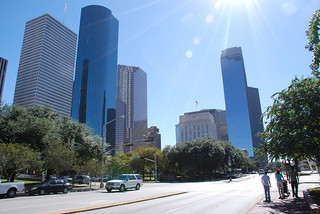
(65, 190)
(138, 187)
(11, 193)
(122, 188)
(42, 192)
(109, 190)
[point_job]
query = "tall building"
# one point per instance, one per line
(95, 83)
(201, 124)
(3, 70)
(154, 132)
(46, 67)
(242, 102)
(131, 102)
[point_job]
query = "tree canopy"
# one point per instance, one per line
(61, 143)
(293, 121)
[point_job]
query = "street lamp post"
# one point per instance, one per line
(155, 159)
(102, 152)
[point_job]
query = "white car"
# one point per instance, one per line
(10, 189)
(124, 181)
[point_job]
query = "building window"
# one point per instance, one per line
(198, 126)
(202, 130)
(207, 130)
(194, 132)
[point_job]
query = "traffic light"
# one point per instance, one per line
(235, 154)
(149, 139)
(142, 157)
(135, 156)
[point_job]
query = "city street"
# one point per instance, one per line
(239, 196)
(203, 197)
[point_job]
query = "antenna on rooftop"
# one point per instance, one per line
(65, 10)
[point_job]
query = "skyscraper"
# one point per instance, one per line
(3, 70)
(242, 102)
(46, 67)
(95, 83)
(131, 102)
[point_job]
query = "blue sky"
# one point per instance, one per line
(178, 44)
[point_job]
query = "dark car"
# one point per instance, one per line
(54, 186)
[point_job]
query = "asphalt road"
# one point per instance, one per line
(237, 196)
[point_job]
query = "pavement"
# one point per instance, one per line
(289, 204)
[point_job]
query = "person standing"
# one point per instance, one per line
(265, 180)
(294, 180)
(279, 178)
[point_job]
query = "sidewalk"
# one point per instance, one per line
(289, 204)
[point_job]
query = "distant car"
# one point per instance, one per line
(54, 186)
(66, 178)
(95, 178)
(105, 178)
(261, 172)
(124, 181)
(81, 179)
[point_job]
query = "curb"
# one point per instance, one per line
(85, 209)
(313, 207)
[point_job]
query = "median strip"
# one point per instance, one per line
(85, 209)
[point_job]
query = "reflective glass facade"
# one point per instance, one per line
(131, 102)
(46, 68)
(95, 82)
(3, 69)
(242, 103)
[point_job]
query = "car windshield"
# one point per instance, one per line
(121, 177)
(46, 183)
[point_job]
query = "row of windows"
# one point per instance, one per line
(194, 132)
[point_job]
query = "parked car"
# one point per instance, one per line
(105, 178)
(81, 179)
(95, 178)
(54, 186)
(11, 188)
(66, 178)
(124, 181)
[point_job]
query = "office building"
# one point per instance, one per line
(201, 124)
(242, 102)
(45, 73)
(95, 83)
(3, 70)
(131, 102)
(154, 133)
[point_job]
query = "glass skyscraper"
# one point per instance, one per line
(3, 69)
(242, 102)
(46, 67)
(131, 102)
(95, 83)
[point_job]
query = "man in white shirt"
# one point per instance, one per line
(265, 180)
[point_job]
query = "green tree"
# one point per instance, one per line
(314, 42)
(16, 158)
(58, 157)
(293, 120)
(118, 164)
(143, 166)
(292, 130)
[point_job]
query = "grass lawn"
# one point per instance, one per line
(26, 182)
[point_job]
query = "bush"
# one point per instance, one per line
(315, 194)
